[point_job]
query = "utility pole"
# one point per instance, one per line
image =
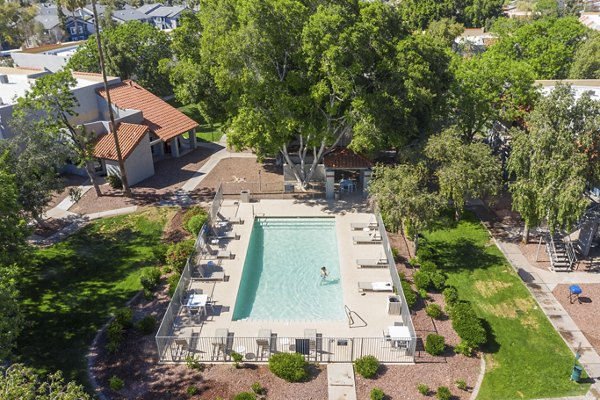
(112, 126)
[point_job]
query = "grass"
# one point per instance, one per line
(205, 132)
(72, 287)
(525, 356)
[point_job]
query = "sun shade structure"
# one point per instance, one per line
(346, 172)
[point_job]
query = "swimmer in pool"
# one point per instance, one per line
(324, 272)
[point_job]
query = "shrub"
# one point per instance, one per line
(114, 332)
(195, 223)
(367, 366)
(173, 281)
(409, 294)
(178, 253)
(423, 293)
(114, 181)
(291, 367)
(377, 394)
(148, 294)
(124, 316)
(150, 278)
(423, 389)
(115, 383)
(438, 281)
(146, 325)
(461, 384)
(159, 252)
(426, 253)
(396, 253)
(467, 325)
(192, 390)
(450, 295)
(245, 396)
(190, 213)
(193, 363)
(258, 388)
(237, 359)
(428, 277)
(464, 348)
(435, 344)
(443, 393)
(433, 310)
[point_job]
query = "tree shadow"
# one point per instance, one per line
(491, 345)
(463, 254)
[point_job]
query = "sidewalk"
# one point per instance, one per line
(540, 284)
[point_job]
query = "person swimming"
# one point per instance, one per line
(324, 272)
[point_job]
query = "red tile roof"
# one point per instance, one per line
(163, 119)
(129, 136)
(342, 158)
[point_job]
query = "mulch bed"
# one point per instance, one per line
(585, 314)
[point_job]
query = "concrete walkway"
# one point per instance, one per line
(340, 382)
(540, 284)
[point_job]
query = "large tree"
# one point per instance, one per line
(303, 77)
(556, 159)
(15, 22)
(547, 44)
(133, 51)
(418, 14)
(586, 63)
(48, 110)
(18, 382)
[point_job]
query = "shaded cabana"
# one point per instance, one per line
(347, 171)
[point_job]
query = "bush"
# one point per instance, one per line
(148, 294)
(193, 363)
(245, 396)
(443, 393)
(114, 332)
(426, 253)
(433, 310)
(435, 344)
(428, 277)
(396, 253)
(178, 253)
(146, 325)
(461, 384)
(159, 252)
(367, 366)
(114, 181)
(258, 388)
(450, 296)
(377, 394)
(291, 367)
(192, 390)
(173, 281)
(423, 389)
(409, 294)
(124, 316)
(195, 224)
(191, 213)
(150, 278)
(467, 325)
(115, 383)
(423, 293)
(237, 358)
(464, 348)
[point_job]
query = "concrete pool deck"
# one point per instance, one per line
(370, 307)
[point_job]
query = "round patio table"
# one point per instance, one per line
(574, 292)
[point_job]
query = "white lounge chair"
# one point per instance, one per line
(210, 272)
(263, 343)
(359, 226)
(219, 253)
(371, 263)
(370, 239)
(375, 287)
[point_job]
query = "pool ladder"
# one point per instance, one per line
(349, 315)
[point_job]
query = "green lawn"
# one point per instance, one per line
(526, 358)
(206, 132)
(72, 287)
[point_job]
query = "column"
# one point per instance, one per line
(366, 180)
(329, 184)
(175, 147)
(192, 135)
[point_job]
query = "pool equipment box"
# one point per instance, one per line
(394, 305)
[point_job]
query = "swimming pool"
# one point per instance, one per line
(281, 279)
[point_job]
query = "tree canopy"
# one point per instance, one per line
(418, 14)
(555, 160)
(18, 382)
(133, 50)
(15, 22)
(586, 63)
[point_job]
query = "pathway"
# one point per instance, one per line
(540, 284)
(340, 382)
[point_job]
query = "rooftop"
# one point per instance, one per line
(591, 20)
(343, 158)
(578, 85)
(129, 136)
(163, 119)
(53, 48)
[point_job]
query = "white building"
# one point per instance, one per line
(52, 57)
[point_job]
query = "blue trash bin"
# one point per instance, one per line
(576, 374)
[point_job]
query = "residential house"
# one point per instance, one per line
(591, 20)
(473, 41)
(78, 24)
(163, 17)
(52, 57)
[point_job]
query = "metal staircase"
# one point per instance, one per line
(561, 252)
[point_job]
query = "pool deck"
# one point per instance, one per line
(371, 307)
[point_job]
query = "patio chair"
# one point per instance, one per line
(359, 226)
(209, 272)
(375, 287)
(311, 335)
(263, 343)
(218, 253)
(219, 343)
(181, 345)
(371, 263)
(370, 239)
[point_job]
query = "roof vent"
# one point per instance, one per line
(3, 78)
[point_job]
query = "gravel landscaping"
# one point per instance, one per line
(585, 314)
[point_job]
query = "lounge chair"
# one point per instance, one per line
(311, 335)
(224, 236)
(371, 263)
(220, 343)
(375, 287)
(263, 343)
(218, 253)
(359, 226)
(231, 220)
(210, 272)
(370, 239)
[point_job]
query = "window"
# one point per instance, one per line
(73, 30)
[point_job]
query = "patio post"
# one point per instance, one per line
(192, 138)
(175, 146)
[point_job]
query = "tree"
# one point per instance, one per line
(556, 159)
(18, 382)
(488, 88)
(51, 97)
(547, 44)
(402, 194)
(464, 170)
(418, 14)
(15, 22)
(133, 50)
(586, 63)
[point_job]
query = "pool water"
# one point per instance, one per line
(281, 279)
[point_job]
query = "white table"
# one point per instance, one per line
(197, 300)
(399, 334)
